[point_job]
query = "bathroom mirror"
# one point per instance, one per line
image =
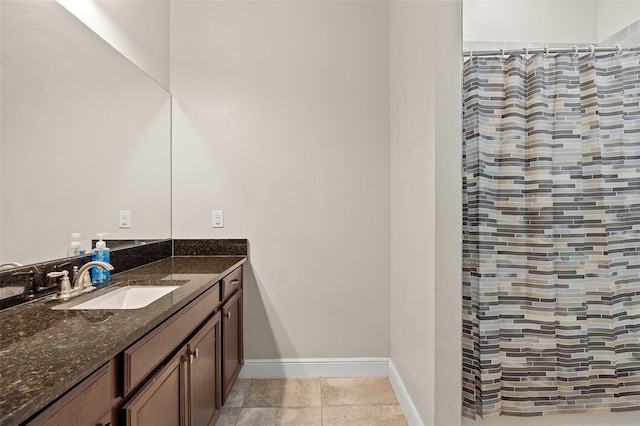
(85, 135)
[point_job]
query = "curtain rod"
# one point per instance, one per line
(527, 51)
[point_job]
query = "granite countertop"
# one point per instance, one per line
(45, 352)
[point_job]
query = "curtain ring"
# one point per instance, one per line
(592, 50)
(575, 50)
(502, 54)
(546, 51)
(526, 51)
(471, 54)
(618, 49)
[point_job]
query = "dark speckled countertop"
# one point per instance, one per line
(45, 352)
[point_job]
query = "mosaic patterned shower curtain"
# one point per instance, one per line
(551, 252)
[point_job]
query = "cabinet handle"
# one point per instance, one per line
(228, 314)
(234, 282)
(193, 355)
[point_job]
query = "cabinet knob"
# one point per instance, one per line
(228, 314)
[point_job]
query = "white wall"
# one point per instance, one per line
(541, 22)
(139, 29)
(426, 205)
(281, 119)
(531, 21)
(616, 15)
(447, 62)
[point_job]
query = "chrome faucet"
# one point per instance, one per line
(81, 280)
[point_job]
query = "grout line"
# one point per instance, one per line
(321, 401)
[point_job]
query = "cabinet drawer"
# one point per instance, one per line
(89, 403)
(231, 283)
(144, 356)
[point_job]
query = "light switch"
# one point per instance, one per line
(217, 219)
(125, 219)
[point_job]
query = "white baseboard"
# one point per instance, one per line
(334, 367)
(410, 412)
(314, 367)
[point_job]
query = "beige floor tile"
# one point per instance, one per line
(338, 391)
(363, 415)
(280, 416)
(283, 393)
(239, 390)
(228, 417)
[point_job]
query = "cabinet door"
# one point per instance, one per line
(89, 403)
(232, 347)
(162, 400)
(204, 374)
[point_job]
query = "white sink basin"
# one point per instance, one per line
(132, 297)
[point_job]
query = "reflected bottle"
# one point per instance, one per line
(76, 245)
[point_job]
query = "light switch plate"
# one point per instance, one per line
(125, 219)
(217, 219)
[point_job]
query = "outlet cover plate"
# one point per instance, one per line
(217, 219)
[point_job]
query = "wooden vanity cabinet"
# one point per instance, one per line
(87, 404)
(145, 356)
(172, 375)
(185, 389)
(191, 387)
(232, 346)
(177, 374)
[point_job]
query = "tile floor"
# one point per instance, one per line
(366, 401)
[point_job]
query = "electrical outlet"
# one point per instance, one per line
(125, 219)
(217, 219)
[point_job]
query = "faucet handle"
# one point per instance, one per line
(64, 285)
(57, 274)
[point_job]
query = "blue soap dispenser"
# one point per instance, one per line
(101, 252)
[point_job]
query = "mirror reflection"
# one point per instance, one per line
(85, 136)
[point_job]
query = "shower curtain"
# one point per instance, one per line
(551, 234)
